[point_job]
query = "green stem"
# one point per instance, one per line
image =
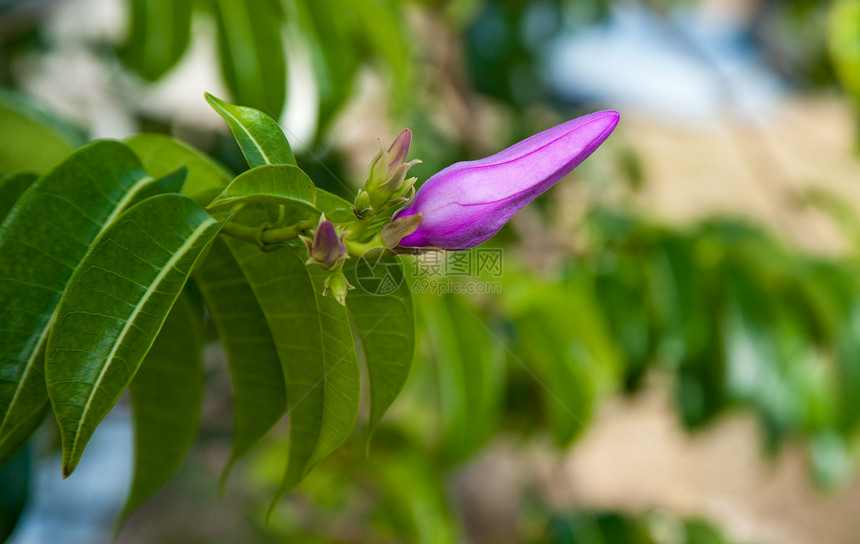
(356, 248)
(262, 235)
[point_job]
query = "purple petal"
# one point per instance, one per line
(468, 202)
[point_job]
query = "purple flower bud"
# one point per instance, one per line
(327, 248)
(468, 202)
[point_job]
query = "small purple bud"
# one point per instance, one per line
(468, 202)
(327, 248)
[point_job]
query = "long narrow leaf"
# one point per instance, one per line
(166, 395)
(162, 154)
(159, 35)
(42, 240)
(279, 194)
(381, 310)
(113, 308)
(259, 136)
(259, 390)
(314, 340)
(252, 54)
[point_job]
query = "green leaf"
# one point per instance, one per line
(166, 395)
(336, 209)
(162, 154)
(315, 343)
(14, 489)
(12, 186)
(335, 57)
(277, 194)
(252, 52)
(42, 240)
(469, 364)
(259, 136)
(113, 307)
(41, 140)
(259, 390)
(170, 183)
(159, 35)
(381, 310)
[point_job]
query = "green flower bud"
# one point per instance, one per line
(361, 207)
(337, 286)
(388, 171)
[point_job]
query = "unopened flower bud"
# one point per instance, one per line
(388, 170)
(468, 202)
(361, 207)
(327, 248)
(337, 286)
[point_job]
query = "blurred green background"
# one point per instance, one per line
(670, 352)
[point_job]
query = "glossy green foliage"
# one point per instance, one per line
(251, 49)
(277, 195)
(259, 136)
(314, 342)
(12, 186)
(166, 395)
(161, 155)
(259, 391)
(381, 311)
(42, 240)
(160, 32)
(336, 209)
(113, 307)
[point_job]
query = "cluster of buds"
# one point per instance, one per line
(462, 205)
(328, 250)
(386, 184)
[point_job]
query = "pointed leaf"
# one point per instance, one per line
(166, 395)
(381, 310)
(170, 183)
(42, 240)
(259, 136)
(114, 306)
(158, 36)
(277, 194)
(162, 154)
(252, 52)
(12, 186)
(259, 390)
(314, 341)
